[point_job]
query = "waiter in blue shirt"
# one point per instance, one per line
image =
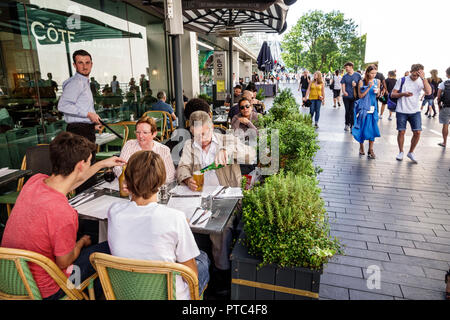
(77, 105)
(76, 102)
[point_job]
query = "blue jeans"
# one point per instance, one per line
(315, 109)
(86, 269)
(414, 119)
(304, 92)
(203, 270)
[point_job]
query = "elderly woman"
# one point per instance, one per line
(146, 131)
(246, 118)
(145, 230)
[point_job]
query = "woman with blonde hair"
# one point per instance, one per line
(316, 94)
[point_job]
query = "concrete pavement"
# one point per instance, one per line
(393, 217)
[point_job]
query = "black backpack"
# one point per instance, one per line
(445, 99)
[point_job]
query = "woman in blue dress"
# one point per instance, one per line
(366, 111)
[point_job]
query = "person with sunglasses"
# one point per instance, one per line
(246, 118)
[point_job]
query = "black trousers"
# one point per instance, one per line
(349, 104)
(86, 130)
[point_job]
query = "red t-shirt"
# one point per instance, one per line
(42, 221)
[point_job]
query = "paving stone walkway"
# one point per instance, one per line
(392, 216)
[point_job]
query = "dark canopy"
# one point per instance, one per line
(265, 60)
(247, 15)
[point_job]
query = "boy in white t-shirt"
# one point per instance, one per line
(145, 230)
(408, 107)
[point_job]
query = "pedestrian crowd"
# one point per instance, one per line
(362, 92)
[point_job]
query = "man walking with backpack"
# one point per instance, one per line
(408, 108)
(443, 97)
(349, 84)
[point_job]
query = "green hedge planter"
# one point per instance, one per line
(269, 282)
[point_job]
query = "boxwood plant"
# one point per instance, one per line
(285, 221)
(286, 224)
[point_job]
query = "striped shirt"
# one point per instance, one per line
(132, 146)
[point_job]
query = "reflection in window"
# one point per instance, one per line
(37, 40)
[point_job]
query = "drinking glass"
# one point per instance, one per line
(199, 178)
(109, 177)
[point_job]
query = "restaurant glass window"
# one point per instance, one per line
(37, 40)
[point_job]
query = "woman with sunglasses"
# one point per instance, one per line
(246, 118)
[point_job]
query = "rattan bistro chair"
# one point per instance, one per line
(17, 282)
(129, 279)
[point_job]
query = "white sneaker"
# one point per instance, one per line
(346, 128)
(390, 118)
(400, 156)
(412, 157)
(381, 117)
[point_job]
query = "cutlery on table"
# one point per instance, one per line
(198, 219)
(89, 197)
(77, 197)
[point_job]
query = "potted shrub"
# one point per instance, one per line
(285, 243)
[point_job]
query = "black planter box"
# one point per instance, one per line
(269, 282)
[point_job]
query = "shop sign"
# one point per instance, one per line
(219, 74)
(50, 33)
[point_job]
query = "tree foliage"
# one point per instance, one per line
(323, 41)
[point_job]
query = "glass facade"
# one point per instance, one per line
(37, 39)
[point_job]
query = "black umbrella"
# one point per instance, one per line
(265, 60)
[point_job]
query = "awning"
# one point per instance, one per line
(50, 26)
(249, 16)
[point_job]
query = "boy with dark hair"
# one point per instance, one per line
(43, 221)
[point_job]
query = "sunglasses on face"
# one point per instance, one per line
(247, 106)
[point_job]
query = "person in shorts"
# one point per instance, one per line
(443, 97)
(336, 86)
(408, 108)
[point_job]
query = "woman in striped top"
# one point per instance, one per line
(146, 131)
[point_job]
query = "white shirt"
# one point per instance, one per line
(152, 232)
(207, 159)
(442, 85)
(409, 105)
(337, 82)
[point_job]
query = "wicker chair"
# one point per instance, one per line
(17, 282)
(161, 124)
(117, 143)
(220, 128)
(128, 279)
(131, 129)
(167, 129)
